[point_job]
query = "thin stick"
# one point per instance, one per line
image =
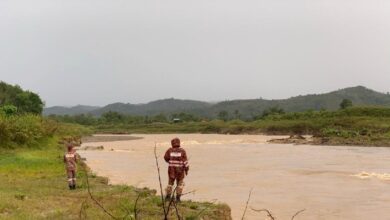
(97, 202)
(296, 214)
(193, 191)
(159, 180)
(265, 210)
(177, 211)
(247, 202)
(135, 207)
(82, 210)
(171, 202)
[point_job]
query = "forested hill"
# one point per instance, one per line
(330, 101)
(156, 107)
(244, 108)
(75, 110)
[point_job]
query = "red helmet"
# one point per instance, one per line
(175, 142)
(69, 145)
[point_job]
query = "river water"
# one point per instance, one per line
(329, 182)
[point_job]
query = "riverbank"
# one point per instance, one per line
(33, 186)
(330, 182)
(355, 126)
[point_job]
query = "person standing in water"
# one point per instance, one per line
(70, 160)
(178, 168)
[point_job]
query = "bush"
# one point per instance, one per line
(28, 130)
(20, 130)
(9, 110)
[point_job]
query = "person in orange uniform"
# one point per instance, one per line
(70, 160)
(178, 168)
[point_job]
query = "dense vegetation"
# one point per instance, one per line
(238, 109)
(24, 101)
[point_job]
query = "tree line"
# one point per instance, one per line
(112, 117)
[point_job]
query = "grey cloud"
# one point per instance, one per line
(98, 52)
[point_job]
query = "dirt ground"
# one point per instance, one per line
(329, 182)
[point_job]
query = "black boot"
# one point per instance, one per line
(74, 186)
(70, 187)
(168, 198)
(178, 198)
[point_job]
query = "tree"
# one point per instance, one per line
(184, 116)
(25, 101)
(346, 103)
(113, 117)
(223, 115)
(29, 102)
(159, 118)
(237, 114)
(273, 111)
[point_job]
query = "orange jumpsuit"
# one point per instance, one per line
(176, 157)
(70, 160)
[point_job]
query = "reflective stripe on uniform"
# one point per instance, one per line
(176, 161)
(175, 165)
(175, 154)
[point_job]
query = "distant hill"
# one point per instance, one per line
(75, 110)
(330, 101)
(245, 108)
(166, 106)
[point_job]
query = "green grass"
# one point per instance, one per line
(33, 186)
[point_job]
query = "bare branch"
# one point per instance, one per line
(159, 180)
(171, 202)
(95, 200)
(177, 211)
(135, 207)
(247, 202)
(296, 214)
(269, 214)
(128, 211)
(190, 192)
(82, 213)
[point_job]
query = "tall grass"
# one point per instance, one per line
(29, 130)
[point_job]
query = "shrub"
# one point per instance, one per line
(29, 130)
(9, 110)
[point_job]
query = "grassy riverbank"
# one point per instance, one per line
(33, 186)
(33, 182)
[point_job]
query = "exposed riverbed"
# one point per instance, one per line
(330, 182)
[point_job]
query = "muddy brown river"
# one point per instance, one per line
(329, 182)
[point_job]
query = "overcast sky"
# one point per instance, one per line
(98, 52)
